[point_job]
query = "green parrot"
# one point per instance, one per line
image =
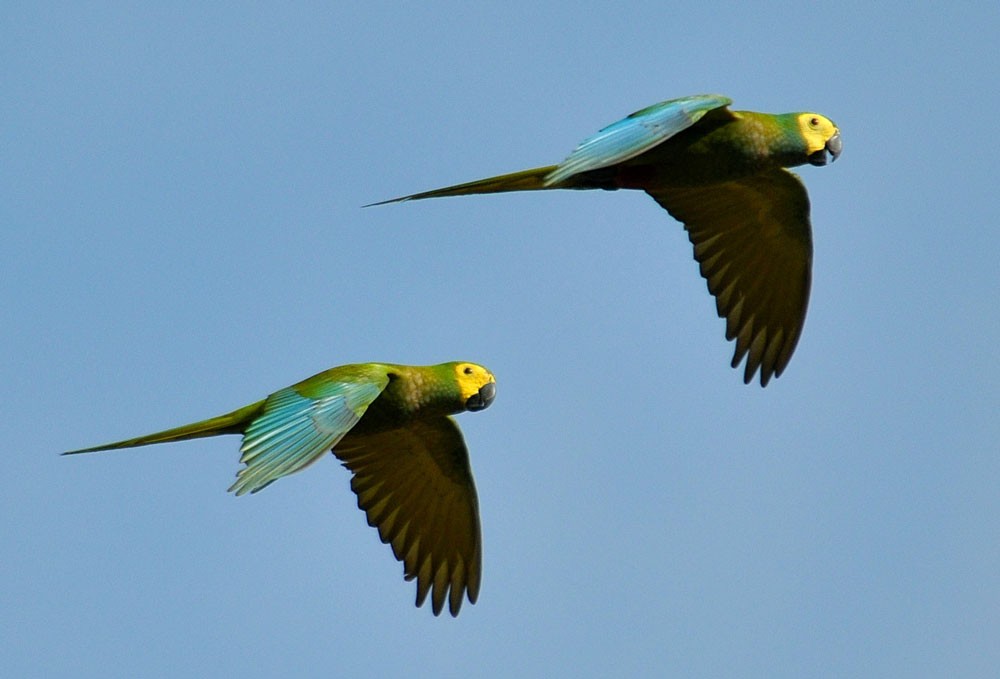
(722, 174)
(390, 425)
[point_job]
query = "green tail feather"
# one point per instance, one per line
(526, 180)
(230, 423)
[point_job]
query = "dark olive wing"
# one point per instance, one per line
(753, 240)
(415, 485)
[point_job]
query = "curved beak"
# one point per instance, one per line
(482, 398)
(833, 146)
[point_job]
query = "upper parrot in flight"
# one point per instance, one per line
(390, 425)
(721, 173)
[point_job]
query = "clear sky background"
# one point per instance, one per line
(180, 194)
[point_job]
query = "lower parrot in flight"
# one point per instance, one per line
(722, 174)
(389, 425)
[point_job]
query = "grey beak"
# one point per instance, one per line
(833, 146)
(483, 398)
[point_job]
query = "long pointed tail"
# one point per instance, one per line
(526, 180)
(230, 423)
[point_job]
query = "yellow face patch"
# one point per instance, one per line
(471, 378)
(816, 130)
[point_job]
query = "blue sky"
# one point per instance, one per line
(180, 194)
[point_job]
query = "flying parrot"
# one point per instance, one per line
(722, 174)
(389, 425)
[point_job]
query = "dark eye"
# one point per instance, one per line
(468, 370)
(814, 122)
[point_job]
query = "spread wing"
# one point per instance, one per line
(635, 134)
(293, 430)
(415, 485)
(753, 240)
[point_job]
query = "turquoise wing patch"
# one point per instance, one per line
(294, 431)
(635, 134)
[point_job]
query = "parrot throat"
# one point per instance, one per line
(774, 139)
(415, 394)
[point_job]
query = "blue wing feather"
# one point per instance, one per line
(294, 430)
(635, 134)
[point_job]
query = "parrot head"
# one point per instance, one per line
(822, 137)
(477, 385)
